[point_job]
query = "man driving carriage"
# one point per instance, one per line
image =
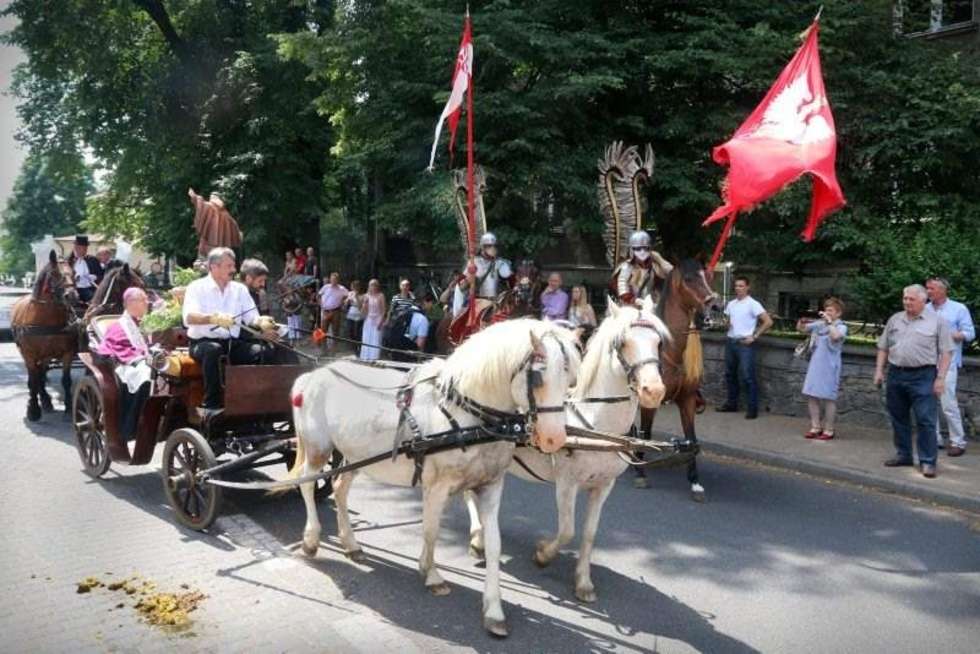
(636, 278)
(215, 310)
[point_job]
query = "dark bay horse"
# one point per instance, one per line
(45, 328)
(685, 298)
(107, 299)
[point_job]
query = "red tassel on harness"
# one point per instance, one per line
(298, 400)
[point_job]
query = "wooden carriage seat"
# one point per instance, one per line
(101, 324)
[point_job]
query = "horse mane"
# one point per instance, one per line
(42, 277)
(611, 331)
(693, 352)
(491, 357)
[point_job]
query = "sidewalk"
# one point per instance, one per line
(855, 456)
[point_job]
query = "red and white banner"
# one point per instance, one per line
(462, 78)
(790, 133)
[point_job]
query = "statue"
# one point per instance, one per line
(213, 223)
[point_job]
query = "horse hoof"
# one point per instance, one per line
(496, 628)
(34, 413)
(477, 553)
(641, 482)
(357, 556)
(310, 550)
(540, 560)
(439, 590)
(698, 496)
(586, 595)
(47, 406)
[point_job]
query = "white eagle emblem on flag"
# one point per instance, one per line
(793, 116)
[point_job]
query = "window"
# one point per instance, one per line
(931, 18)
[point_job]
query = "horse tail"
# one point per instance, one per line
(693, 359)
(296, 398)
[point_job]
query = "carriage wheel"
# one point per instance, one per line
(195, 504)
(89, 420)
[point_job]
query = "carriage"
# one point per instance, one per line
(255, 429)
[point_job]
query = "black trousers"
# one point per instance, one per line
(130, 408)
(208, 353)
(85, 294)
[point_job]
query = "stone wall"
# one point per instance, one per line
(781, 376)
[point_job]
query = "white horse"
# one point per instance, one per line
(522, 366)
(620, 370)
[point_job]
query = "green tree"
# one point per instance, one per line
(176, 95)
(48, 198)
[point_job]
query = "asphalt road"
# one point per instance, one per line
(773, 562)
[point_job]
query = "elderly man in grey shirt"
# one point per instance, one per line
(918, 347)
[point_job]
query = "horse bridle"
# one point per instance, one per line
(533, 368)
(632, 368)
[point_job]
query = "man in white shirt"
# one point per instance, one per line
(747, 321)
(214, 309)
(332, 298)
(960, 322)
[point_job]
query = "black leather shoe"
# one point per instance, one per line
(896, 462)
(955, 450)
(751, 415)
(928, 470)
(724, 408)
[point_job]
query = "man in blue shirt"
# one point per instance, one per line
(957, 316)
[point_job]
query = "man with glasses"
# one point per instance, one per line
(635, 278)
(961, 329)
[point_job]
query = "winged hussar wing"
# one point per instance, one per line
(459, 201)
(622, 173)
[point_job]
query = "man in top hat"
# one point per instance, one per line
(88, 270)
(635, 278)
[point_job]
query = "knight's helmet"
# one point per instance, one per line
(487, 240)
(640, 239)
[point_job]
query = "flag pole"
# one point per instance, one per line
(722, 239)
(470, 200)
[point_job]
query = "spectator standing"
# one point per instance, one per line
(300, 260)
(312, 266)
(154, 279)
(581, 313)
(355, 317)
(747, 321)
(332, 298)
(435, 312)
(402, 301)
(373, 310)
(554, 300)
(822, 380)
(289, 267)
(961, 330)
(913, 342)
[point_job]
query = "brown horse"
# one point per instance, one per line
(685, 298)
(45, 328)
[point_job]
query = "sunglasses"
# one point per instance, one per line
(642, 248)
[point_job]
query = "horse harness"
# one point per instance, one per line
(495, 425)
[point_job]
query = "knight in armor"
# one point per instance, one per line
(635, 278)
(492, 274)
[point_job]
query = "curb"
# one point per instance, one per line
(818, 469)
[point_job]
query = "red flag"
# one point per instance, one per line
(790, 133)
(462, 76)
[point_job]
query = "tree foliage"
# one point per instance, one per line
(171, 95)
(48, 198)
(308, 114)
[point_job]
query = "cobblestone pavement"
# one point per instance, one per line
(772, 562)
